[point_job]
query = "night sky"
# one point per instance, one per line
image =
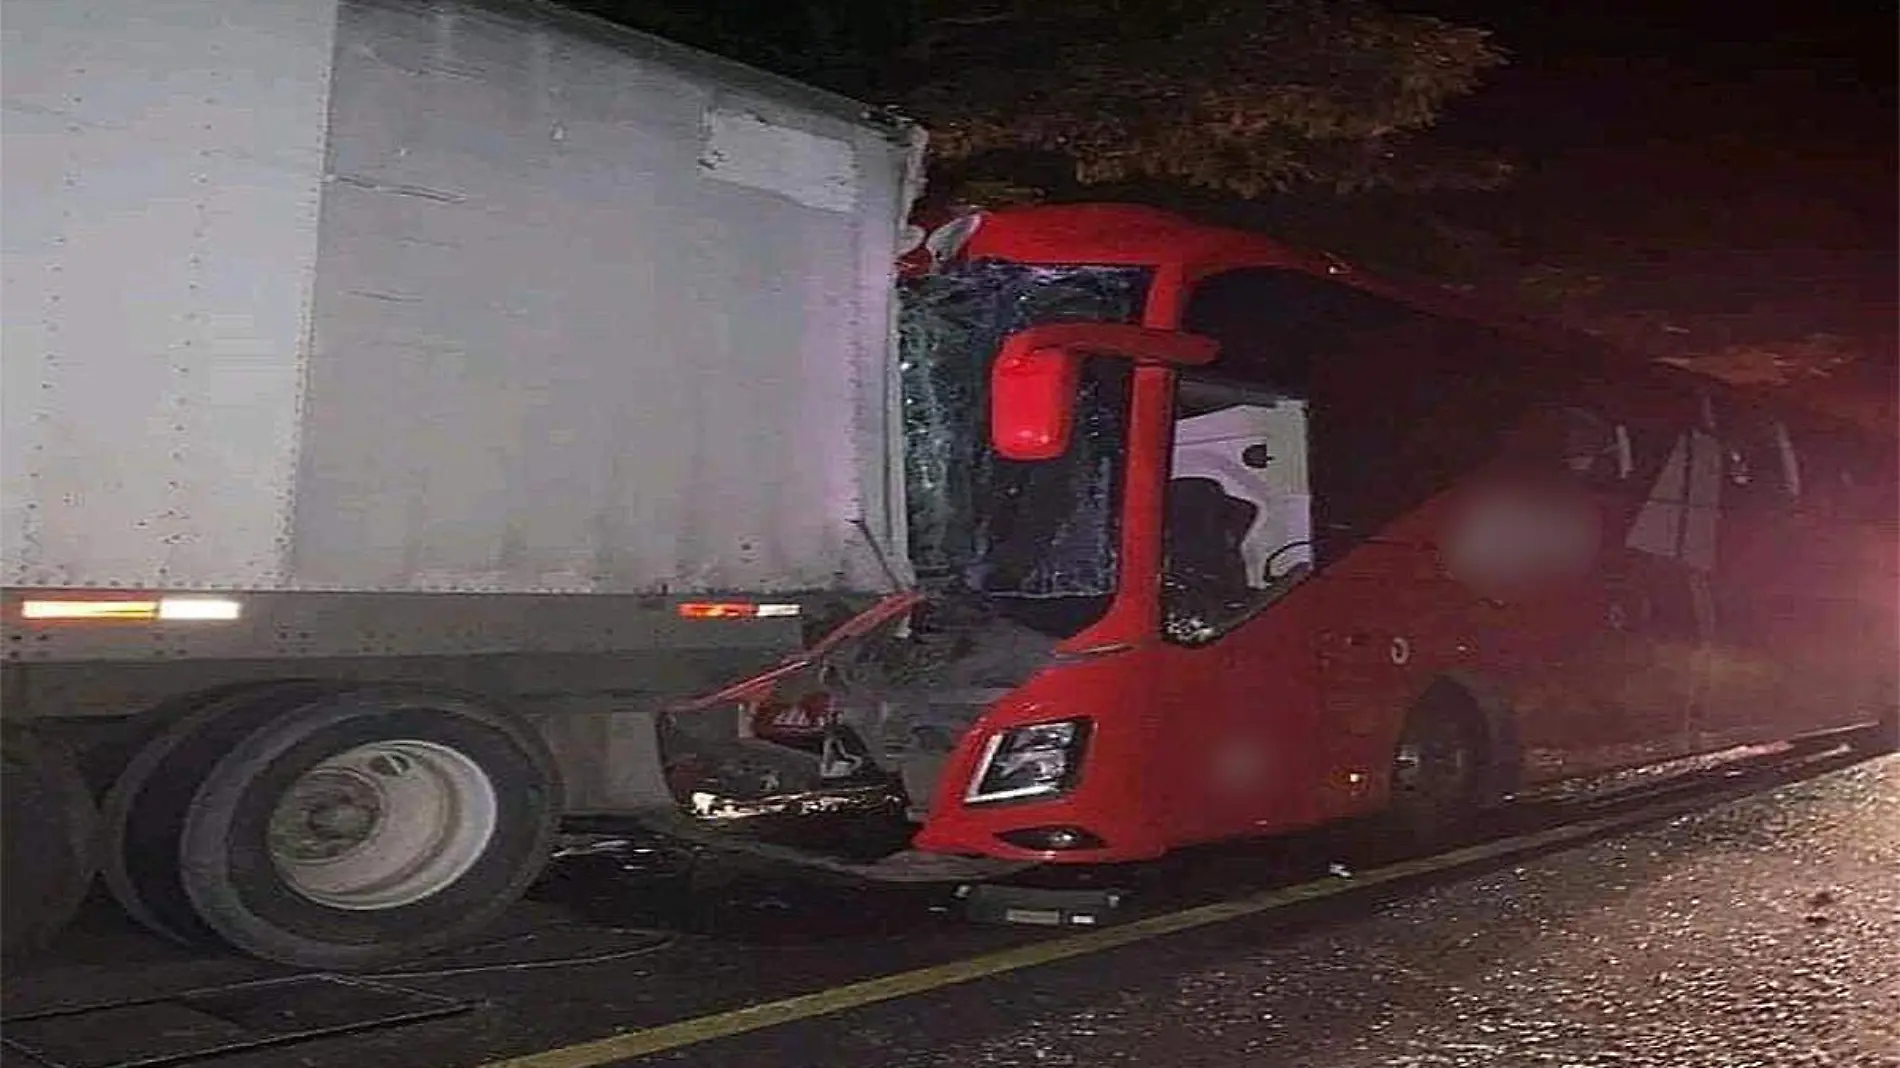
(1733, 162)
(1700, 101)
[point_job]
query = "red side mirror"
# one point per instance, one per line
(1032, 402)
(1034, 381)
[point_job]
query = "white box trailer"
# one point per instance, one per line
(425, 347)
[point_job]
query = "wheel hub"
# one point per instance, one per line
(1433, 765)
(383, 825)
(328, 813)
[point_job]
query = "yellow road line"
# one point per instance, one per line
(837, 999)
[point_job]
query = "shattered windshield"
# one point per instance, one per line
(1040, 540)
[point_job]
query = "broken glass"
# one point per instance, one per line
(1011, 530)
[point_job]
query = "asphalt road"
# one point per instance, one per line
(1762, 931)
(1764, 934)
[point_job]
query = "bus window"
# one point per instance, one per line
(1841, 479)
(1399, 404)
(1759, 462)
(1239, 519)
(1574, 441)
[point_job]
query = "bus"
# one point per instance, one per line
(1224, 540)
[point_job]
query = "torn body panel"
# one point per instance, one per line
(1012, 558)
(873, 715)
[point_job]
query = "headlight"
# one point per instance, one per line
(1042, 758)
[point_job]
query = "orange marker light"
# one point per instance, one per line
(736, 610)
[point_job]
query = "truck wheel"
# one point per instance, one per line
(104, 760)
(367, 826)
(144, 811)
(1438, 772)
(49, 825)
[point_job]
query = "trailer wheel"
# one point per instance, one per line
(1438, 770)
(104, 760)
(368, 826)
(49, 825)
(144, 811)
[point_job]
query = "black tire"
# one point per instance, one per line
(105, 759)
(1440, 771)
(50, 832)
(144, 811)
(238, 888)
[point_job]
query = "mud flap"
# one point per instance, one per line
(608, 750)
